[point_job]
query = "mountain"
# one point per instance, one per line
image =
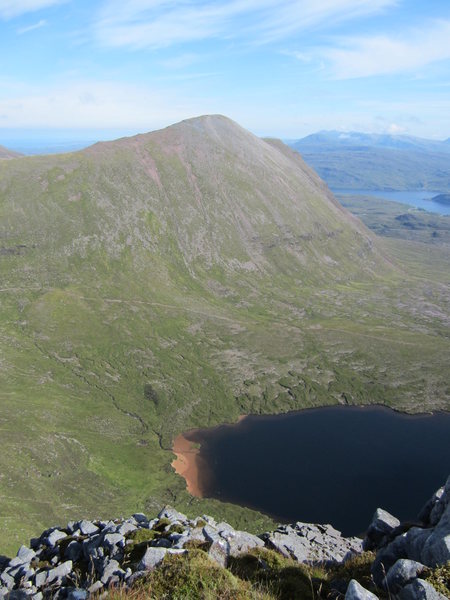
(179, 279)
(356, 160)
(5, 153)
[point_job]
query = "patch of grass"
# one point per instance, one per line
(439, 577)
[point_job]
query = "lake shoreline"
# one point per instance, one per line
(193, 453)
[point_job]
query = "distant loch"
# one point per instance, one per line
(417, 198)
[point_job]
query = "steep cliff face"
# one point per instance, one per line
(172, 555)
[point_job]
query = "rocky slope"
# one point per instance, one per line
(86, 557)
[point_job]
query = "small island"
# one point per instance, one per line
(442, 198)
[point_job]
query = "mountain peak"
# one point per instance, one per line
(5, 153)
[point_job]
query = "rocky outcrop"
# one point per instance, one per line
(312, 543)
(404, 551)
(88, 557)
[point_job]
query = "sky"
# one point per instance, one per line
(98, 69)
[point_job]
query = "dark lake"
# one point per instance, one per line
(328, 465)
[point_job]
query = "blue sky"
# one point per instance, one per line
(284, 68)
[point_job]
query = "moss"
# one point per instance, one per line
(439, 577)
(283, 577)
(176, 528)
(142, 535)
(162, 524)
(194, 576)
(357, 568)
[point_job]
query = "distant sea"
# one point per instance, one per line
(32, 148)
(417, 198)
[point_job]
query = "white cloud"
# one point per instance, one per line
(383, 55)
(15, 8)
(29, 28)
(161, 23)
(92, 104)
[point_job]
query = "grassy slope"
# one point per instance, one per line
(180, 279)
(397, 220)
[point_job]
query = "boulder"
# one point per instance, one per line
(382, 524)
(401, 573)
(152, 558)
(87, 527)
(60, 572)
(436, 549)
(420, 589)
(356, 591)
(54, 536)
(26, 554)
(173, 515)
(219, 552)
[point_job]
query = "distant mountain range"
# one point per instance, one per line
(357, 160)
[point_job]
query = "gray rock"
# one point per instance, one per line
(420, 590)
(219, 551)
(310, 543)
(436, 549)
(140, 518)
(401, 573)
(173, 515)
(383, 523)
(95, 587)
(415, 540)
(242, 542)
(113, 539)
(386, 557)
(439, 507)
(16, 562)
(152, 558)
(111, 569)
(91, 545)
(26, 554)
(425, 514)
(74, 551)
(87, 527)
(59, 572)
(40, 579)
(54, 536)
(7, 580)
(356, 591)
(37, 596)
(126, 528)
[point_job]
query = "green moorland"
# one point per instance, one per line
(180, 279)
(398, 220)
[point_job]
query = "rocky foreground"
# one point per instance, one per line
(88, 558)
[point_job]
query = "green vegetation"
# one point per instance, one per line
(178, 280)
(258, 575)
(393, 219)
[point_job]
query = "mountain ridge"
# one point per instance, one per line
(7, 154)
(356, 160)
(179, 279)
